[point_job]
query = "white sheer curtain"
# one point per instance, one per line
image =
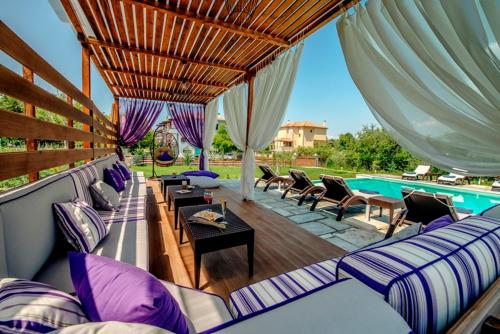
(430, 73)
(272, 88)
(209, 128)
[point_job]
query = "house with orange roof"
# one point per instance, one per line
(293, 135)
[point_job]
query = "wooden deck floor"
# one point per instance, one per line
(280, 246)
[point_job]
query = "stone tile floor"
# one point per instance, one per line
(351, 233)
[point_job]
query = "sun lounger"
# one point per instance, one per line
(457, 176)
(336, 190)
(496, 185)
(423, 207)
(301, 183)
(420, 172)
(270, 177)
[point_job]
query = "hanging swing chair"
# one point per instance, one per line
(164, 147)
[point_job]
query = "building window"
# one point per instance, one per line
(311, 131)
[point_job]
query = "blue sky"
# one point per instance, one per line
(323, 91)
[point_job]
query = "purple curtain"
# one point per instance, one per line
(136, 119)
(189, 120)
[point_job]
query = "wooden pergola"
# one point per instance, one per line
(178, 51)
(190, 50)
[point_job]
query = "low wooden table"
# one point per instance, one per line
(171, 180)
(384, 202)
(206, 239)
(195, 197)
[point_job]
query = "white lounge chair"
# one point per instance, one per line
(496, 185)
(456, 176)
(421, 171)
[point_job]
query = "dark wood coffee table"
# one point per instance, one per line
(384, 202)
(195, 197)
(171, 180)
(206, 239)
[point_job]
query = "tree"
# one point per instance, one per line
(142, 145)
(222, 141)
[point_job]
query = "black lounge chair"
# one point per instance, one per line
(336, 190)
(423, 207)
(270, 177)
(301, 183)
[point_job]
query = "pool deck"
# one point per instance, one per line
(351, 233)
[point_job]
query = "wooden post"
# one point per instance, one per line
(71, 144)
(29, 110)
(250, 80)
(116, 117)
(86, 91)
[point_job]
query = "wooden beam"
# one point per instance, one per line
(158, 99)
(210, 22)
(15, 86)
(160, 91)
(163, 55)
(165, 77)
(86, 91)
(30, 111)
(15, 47)
(21, 163)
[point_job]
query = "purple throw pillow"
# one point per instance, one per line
(123, 171)
(438, 223)
(110, 290)
(165, 157)
(114, 179)
(201, 173)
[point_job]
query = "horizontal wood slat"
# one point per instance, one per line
(15, 86)
(103, 140)
(21, 163)
(15, 47)
(21, 126)
(104, 130)
(99, 115)
(99, 152)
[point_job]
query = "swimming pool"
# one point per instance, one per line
(477, 201)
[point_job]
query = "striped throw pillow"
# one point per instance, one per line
(81, 225)
(32, 307)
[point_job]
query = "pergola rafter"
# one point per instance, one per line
(190, 46)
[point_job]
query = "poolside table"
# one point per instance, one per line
(171, 180)
(194, 197)
(206, 239)
(384, 202)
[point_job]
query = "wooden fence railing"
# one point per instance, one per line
(99, 134)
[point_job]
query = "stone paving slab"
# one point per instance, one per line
(342, 244)
(317, 228)
(282, 212)
(331, 222)
(359, 237)
(306, 217)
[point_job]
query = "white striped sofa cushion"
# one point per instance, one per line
(83, 177)
(131, 209)
(432, 278)
(32, 307)
(277, 289)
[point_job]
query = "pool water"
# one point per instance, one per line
(476, 201)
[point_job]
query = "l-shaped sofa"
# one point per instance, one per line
(420, 284)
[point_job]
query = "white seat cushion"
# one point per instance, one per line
(345, 307)
(204, 182)
(111, 327)
(203, 310)
(126, 242)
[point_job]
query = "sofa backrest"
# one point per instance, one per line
(431, 278)
(28, 228)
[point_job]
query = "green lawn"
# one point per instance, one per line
(233, 172)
